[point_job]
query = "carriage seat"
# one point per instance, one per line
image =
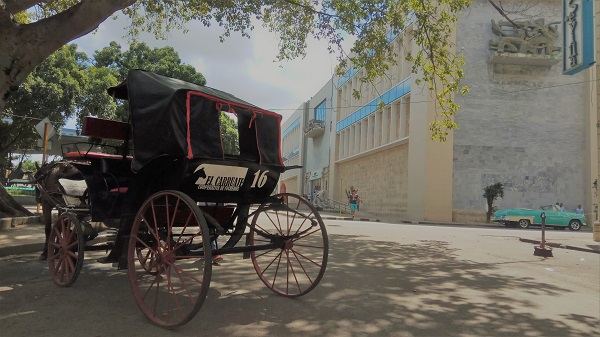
(114, 169)
(94, 155)
(105, 129)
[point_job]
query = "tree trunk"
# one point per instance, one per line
(9, 207)
(24, 46)
(490, 211)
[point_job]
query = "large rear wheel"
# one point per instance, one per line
(169, 259)
(65, 250)
(298, 265)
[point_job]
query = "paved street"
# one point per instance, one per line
(382, 280)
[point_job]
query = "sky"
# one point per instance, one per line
(246, 68)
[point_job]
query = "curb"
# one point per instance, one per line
(558, 245)
(22, 249)
(8, 223)
(348, 218)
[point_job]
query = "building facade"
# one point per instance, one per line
(523, 123)
(305, 143)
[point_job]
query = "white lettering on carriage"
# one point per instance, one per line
(220, 177)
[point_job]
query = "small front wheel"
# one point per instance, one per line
(298, 265)
(65, 250)
(574, 225)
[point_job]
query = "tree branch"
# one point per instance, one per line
(57, 30)
(499, 9)
(16, 6)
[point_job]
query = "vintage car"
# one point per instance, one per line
(533, 217)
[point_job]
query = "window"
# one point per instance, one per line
(320, 111)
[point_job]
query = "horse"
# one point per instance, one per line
(51, 194)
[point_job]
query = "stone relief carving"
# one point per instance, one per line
(528, 37)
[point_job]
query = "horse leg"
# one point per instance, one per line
(47, 215)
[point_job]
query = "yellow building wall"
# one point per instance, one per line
(381, 179)
(291, 185)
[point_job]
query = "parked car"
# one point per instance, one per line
(524, 218)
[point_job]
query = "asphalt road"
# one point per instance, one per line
(381, 280)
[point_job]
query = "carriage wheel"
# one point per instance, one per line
(169, 259)
(65, 250)
(298, 266)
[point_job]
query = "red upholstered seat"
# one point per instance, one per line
(119, 190)
(96, 155)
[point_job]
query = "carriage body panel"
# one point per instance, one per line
(220, 181)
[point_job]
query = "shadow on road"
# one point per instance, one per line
(370, 288)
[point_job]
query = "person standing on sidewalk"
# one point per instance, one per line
(353, 200)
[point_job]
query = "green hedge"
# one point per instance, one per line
(20, 190)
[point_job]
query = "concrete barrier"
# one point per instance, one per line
(5, 223)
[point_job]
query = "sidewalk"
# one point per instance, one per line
(28, 236)
(23, 236)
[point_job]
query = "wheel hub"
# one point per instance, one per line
(165, 258)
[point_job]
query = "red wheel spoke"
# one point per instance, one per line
(308, 246)
(172, 222)
(187, 222)
(266, 252)
(63, 269)
(273, 222)
(167, 213)
(307, 234)
(269, 265)
(155, 221)
(186, 241)
(294, 217)
(73, 244)
(178, 269)
(144, 243)
(306, 258)
(70, 263)
(276, 269)
(184, 285)
(72, 254)
(156, 281)
(302, 267)
(291, 267)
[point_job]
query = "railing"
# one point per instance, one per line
(314, 128)
(332, 205)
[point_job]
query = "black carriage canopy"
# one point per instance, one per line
(176, 118)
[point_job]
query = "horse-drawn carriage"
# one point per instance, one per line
(177, 194)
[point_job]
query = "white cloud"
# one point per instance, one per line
(243, 67)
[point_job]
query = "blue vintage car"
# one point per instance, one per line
(524, 218)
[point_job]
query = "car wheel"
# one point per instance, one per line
(524, 223)
(574, 225)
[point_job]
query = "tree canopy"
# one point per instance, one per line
(52, 90)
(33, 29)
(70, 84)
